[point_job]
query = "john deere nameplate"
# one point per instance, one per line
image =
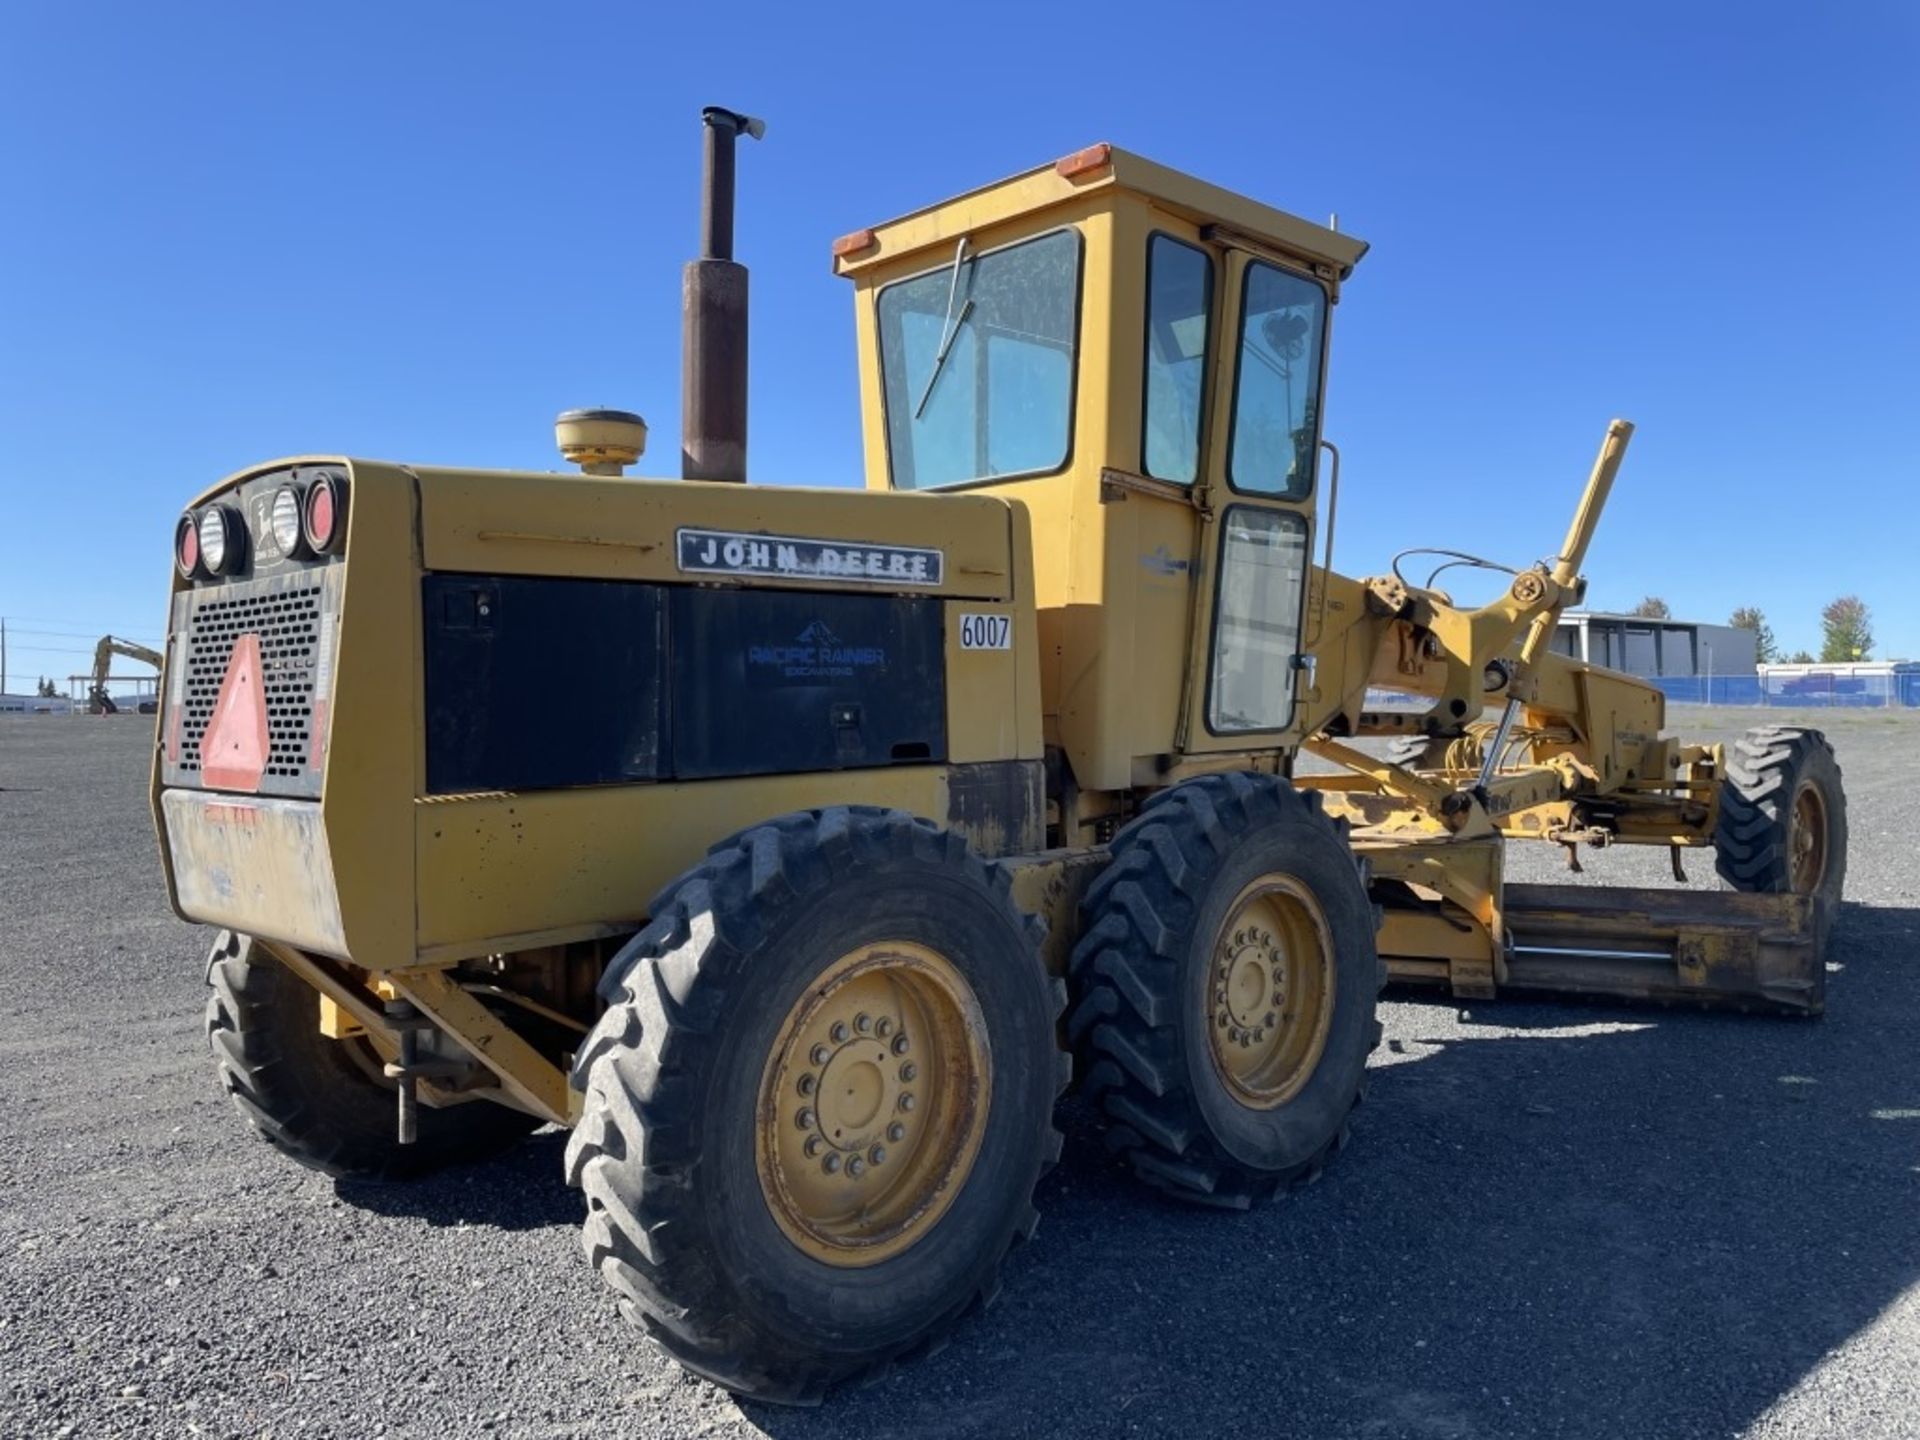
(792, 557)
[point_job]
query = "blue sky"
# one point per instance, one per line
(417, 231)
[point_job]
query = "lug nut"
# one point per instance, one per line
(839, 1032)
(1272, 1019)
(906, 1103)
(878, 1154)
(909, 1070)
(896, 1132)
(821, 1054)
(863, 1022)
(900, 1046)
(806, 1085)
(804, 1119)
(814, 1146)
(883, 1027)
(856, 1167)
(831, 1164)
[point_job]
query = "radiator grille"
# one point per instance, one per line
(286, 617)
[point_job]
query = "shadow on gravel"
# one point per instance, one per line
(1577, 1221)
(523, 1190)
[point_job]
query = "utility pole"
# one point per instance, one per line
(3, 655)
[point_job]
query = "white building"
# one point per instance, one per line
(1852, 682)
(33, 705)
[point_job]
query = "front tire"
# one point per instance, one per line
(819, 1101)
(1225, 987)
(312, 1097)
(1783, 815)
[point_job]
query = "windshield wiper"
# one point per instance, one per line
(949, 327)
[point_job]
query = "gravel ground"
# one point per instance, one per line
(1554, 1220)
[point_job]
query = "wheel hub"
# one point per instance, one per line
(1250, 986)
(856, 1088)
(1807, 841)
(1270, 991)
(872, 1103)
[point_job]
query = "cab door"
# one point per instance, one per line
(1244, 658)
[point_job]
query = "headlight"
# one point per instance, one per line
(286, 520)
(186, 546)
(222, 539)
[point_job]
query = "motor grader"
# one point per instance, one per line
(785, 843)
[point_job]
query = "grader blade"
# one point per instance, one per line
(1720, 949)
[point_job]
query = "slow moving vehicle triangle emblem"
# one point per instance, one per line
(233, 751)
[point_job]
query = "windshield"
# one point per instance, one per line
(977, 358)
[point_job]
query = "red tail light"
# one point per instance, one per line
(324, 516)
(186, 546)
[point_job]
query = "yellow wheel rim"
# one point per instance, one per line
(1807, 840)
(872, 1103)
(1270, 992)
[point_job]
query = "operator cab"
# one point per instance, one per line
(1140, 358)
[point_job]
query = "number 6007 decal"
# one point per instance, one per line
(986, 632)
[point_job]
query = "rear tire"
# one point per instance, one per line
(705, 1146)
(312, 1097)
(1190, 1068)
(1783, 815)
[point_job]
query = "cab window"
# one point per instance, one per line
(1179, 301)
(1276, 398)
(1256, 623)
(977, 360)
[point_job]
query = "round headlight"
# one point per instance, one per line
(222, 539)
(325, 514)
(286, 520)
(186, 546)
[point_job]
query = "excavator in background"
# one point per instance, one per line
(99, 702)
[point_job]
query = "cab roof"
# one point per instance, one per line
(1098, 167)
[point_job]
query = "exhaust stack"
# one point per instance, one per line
(713, 307)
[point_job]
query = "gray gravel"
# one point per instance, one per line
(1554, 1220)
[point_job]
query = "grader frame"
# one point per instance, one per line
(1599, 771)
(1070, 688)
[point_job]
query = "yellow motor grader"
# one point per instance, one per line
(863, 810)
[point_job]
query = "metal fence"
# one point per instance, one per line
(1815, 690)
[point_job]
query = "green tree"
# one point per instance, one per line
(1800, 657)
(46, 690)
(1847, 627)
(1751, 617)
(1652, 608)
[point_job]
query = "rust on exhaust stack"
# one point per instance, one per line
(713, 304)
